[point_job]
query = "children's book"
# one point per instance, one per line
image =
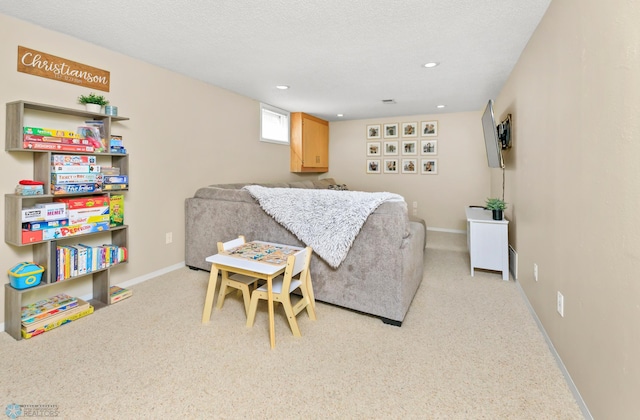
(42, 324)
(117, 294)
(52, 325)
(47, 307)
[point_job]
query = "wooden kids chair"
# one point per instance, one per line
(283, 286)
(238, 282)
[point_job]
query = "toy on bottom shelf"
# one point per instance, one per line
(25, 275)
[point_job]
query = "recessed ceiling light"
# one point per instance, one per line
(440, 106)
(282, 87)
(340, 115)
(431, 65)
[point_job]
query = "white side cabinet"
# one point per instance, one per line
(488, 241)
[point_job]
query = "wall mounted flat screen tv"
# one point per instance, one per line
(491, 141)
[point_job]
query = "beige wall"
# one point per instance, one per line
(182, 134)
(574, 180)
(463, 174)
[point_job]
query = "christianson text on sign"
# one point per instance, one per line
(60, 69)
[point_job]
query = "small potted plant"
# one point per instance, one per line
(497, 206)
(93, 102)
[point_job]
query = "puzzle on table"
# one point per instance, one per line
(266, 253)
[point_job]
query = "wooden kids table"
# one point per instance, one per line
(251, 264)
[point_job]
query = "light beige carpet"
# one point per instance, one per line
(468, 349)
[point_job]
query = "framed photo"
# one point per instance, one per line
(429, 166)
(391, 148)
(409, 147)
(391, 131)
(373, 131)
(410, 129)
(409, 166)
(429, 129)
(373, 148)
(373, 166)
(429, 147)
(390, 166)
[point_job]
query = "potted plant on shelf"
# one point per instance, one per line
(497, 206)
(93, 102)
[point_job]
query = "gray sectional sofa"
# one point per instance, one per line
(379, 276)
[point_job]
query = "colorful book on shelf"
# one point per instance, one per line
(93, 257)
(73, 160)
(84, 188)
(52, 325)
(76, 178)
(47, 307)
(51, 132)
(75, 169)
(81, 306)
(59, 140)
(115, 179)
(114, 187)
(116, 141)
(118, 150)
(35, 145)
(116, 210)
(117, 294)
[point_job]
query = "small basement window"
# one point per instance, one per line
(274, 124)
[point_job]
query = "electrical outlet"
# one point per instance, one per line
(535, 271)
(560, 304)
(415, 204)
(169, 237)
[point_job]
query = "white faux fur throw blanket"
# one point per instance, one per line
(326, 220)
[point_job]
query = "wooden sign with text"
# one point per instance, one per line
(60, 69)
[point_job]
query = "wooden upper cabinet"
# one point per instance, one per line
(309, 143)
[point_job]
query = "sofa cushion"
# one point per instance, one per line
(300, 184)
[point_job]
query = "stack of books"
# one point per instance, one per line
(47, 314)
(116, 294)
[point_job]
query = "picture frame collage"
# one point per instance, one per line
(406, 148)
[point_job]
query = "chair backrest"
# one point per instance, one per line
(224, 246)
(298, 262)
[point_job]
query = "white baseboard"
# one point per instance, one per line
(146, 277)
(572, 386)
(134, 281)
(151, 275)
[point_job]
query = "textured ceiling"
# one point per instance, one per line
(338, 56)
